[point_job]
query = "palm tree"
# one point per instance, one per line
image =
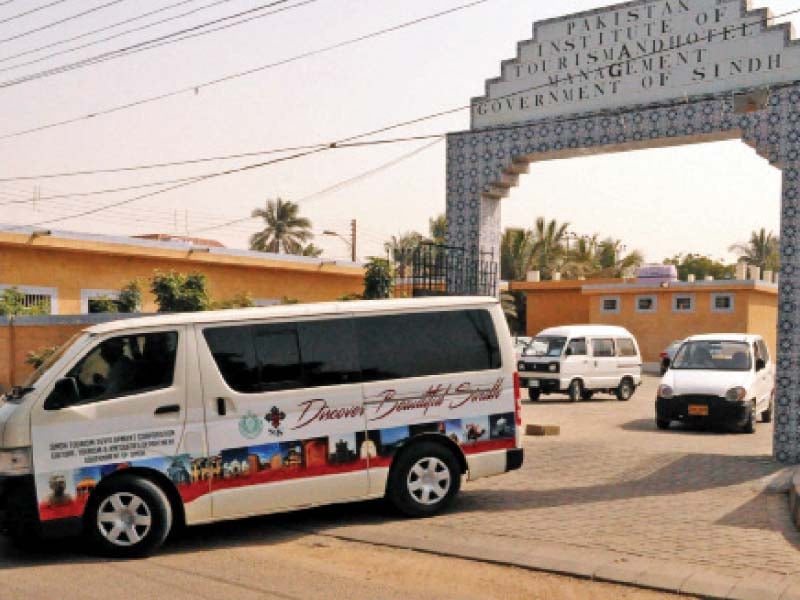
(611, 260)
(763, 250)
(285, 231)
(582, 260)
(548, 248)
(310, 250)
(401, 248)
(437, 227)
(516, 254)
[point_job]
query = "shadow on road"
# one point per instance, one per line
(649, 425)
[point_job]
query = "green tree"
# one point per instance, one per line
(612, 260)
(36, 358)
(437, 228)
(700, 266)
(401, 248)
(176, 292)
(103, 304)
(548, 249)
(516, 254)
(377, 279)
(285, 230)
(236, 301)
(582, 260)
(130, 297)
(12, 304)
(763, 250)
(311, 250)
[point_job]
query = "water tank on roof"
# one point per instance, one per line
(657, 274)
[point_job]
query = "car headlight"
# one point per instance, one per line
(735, 394)
(552, 367)
(664, 391)
(16, 461)
(521, 366)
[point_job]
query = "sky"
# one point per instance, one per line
(700, 198)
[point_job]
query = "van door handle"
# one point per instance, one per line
(168, 409)
(222, 410)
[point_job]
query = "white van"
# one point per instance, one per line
(581, 360)
(140, 425)
(722, 378)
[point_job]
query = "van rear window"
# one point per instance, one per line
(626, 347)
(430, 343)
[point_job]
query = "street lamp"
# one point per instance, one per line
(351, 242)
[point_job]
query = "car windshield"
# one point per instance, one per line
(713, 355)
(30, 383)
(546, 346)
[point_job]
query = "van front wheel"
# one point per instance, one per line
(130, 516)
(575, 390)
(424, 480)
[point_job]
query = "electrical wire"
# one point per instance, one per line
(106, 28)
(60, 21)
(30, 12)
(147, 44)
(194, 88)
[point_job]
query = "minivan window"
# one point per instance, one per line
(602, 347)
(547, 346)
(577, 347)
(626, 347)
(126, 365)
(429, 343)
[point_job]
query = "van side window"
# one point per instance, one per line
(261, 358)
(430, 343)
(577, 347)
(126, 365)
(625, 347)
(603, 347)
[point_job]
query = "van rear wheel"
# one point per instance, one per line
(625, 389)
(130, 516)
(534, 394)
(424, 479)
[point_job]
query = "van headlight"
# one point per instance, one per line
(521, 366)
(664, 391)
(16, 461)
(553, 367)
(735, 394)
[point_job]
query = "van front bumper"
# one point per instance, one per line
(544, 385)
(719, 410)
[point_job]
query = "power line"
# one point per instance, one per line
(145, 45)
(194, 88)
(336, 186)
(30, 12)
(60, 21)
(106, 28)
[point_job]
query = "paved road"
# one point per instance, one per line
(609, 483)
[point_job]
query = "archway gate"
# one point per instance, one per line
(643, 74)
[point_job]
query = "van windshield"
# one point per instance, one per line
(48, 362)
(546, 346)
(713, 355)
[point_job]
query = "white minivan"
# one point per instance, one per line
(722, 378)
(581, 360)
(140, 425)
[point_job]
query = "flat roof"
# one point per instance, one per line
(683, 286)
(31, 237)
(292, 310)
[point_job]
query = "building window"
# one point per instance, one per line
(722, 303)
(683, 303)
(44, 298)
(646, 304)
(94, 301)
(609, 305)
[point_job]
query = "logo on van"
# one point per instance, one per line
(274, 418)
(250, 426)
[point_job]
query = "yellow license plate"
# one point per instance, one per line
(698, 410)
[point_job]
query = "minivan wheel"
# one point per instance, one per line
(575, 390)
(750, 425)
(128, 517)
(625, 389)
(662, 423)
(534, 394)
(424, 480)
(766, 416)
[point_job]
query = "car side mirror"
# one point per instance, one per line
(761, 364)
(65, 393)
(667, 363)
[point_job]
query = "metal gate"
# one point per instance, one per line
(439, 270)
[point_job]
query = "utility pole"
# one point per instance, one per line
(353, 239)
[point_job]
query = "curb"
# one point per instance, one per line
(585, 563)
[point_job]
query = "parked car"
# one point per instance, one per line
(581, 360)
(666, 357)
(725, 378)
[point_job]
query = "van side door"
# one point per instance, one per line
(284, 410)
(122, 403)
(604, 363)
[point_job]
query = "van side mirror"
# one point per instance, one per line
(760, 364)
(65, 393)
(568, 352)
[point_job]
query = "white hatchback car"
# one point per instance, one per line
(725, 378)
